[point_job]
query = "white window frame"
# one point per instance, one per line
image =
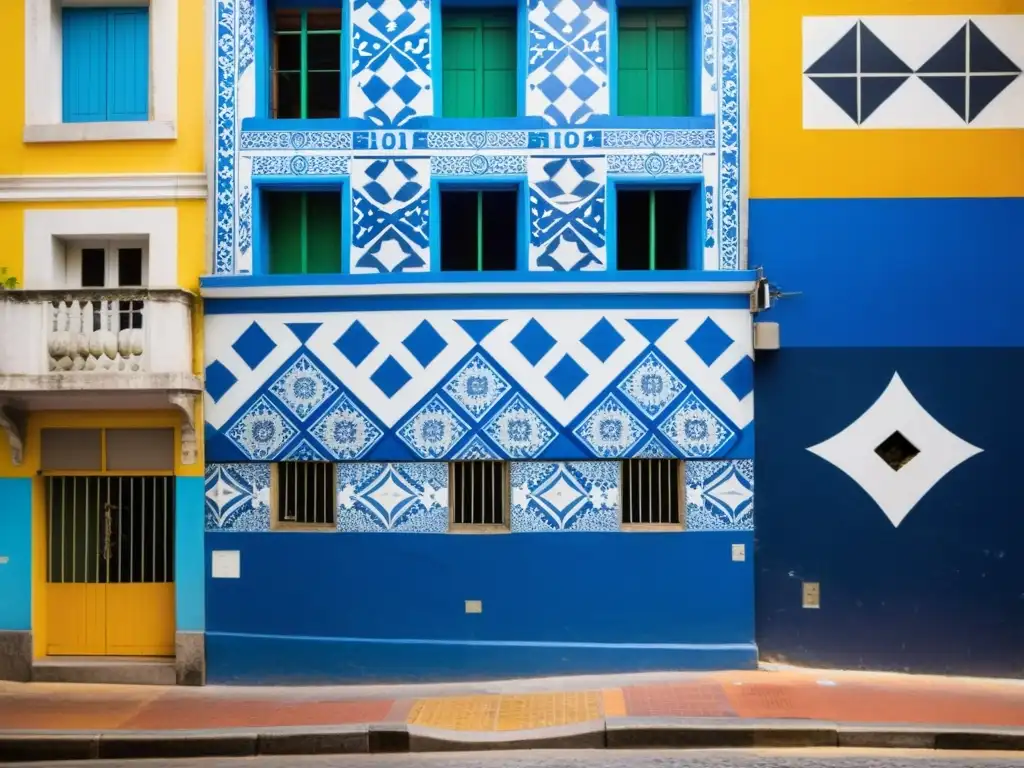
(111, 248)
(44, 75)
(48, 233)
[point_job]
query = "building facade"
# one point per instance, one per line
(886, 193)
(478, 341)
(102, 216)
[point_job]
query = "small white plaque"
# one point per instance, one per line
(4, 559)
(739, 553)
(226, 564)
(474, 606)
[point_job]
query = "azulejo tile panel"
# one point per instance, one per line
(401, 498)
(238, 497)
(390, 215)
(893, 72)
(565, 496)
(566, 71)
(433, 385)
(720, 495)
(567, 213)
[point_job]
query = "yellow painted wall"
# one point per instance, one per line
(787, 161)
(182, 156)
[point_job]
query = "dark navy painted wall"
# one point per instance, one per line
(892, 272)
(337, 607)
(925, 288)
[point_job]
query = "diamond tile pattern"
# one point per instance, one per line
(602, 340)
(356, 343)
(254, 345)
(533, 342)
(390, 377)
(218, 380)
(425, 344)
(709, 341)
(566, 376)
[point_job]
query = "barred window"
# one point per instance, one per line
(479, 494)
(304, 494)
(652, 492)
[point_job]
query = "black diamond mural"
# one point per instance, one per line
(859, 72)
(859, 91)
(968, 82)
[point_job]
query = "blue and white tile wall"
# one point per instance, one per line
(567, 85)
(580, 496)
(560, 384)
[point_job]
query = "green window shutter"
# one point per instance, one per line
(323, 214)
(479, 64)
(654, 73)
(285, 221)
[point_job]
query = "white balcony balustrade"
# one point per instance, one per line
(125, 338)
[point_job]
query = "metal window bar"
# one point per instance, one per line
(481, 492)
(96, 524)
(651, 492)
(305, 493)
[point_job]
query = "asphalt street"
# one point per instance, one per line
(605, 758)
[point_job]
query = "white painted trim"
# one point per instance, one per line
(463, 289)
(43, 74)
(56, 133)
(47, 230)
(129, 186)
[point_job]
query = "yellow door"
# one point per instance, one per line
(110, 571)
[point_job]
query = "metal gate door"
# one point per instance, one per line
(110, 565)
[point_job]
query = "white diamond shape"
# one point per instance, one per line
(562, 499)
(223, 495)
(896, 491)
(730, 493)
(389, 497)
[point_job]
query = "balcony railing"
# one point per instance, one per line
(92, 334)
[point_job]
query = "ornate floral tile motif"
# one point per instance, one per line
(401, 498)
(238, 497)
(565, 496)
(440, 385)
(720, 495)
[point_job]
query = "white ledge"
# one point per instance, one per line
(469, 288)
(128, 186)
(153, 130)
(120, 381)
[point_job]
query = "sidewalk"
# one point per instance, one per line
(800, 707)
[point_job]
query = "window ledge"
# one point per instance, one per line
(153, 130)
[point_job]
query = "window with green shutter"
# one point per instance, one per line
(654, 63)
(306, 66)
(478, 230)
(478, 61)
(653, 228)
(305, 232)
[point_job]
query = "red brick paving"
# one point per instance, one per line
(677, 700)
(189, 714)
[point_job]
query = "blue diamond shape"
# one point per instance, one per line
(566, 376)
(218, 380)
(407, 89)
(602, 340)
(254, 345)
(709, 341)
(533, 342)
(425, 343)
(584, 87)
(375, 89)
(552, 87)
(356, 343)
(390, 377)
(740, 379)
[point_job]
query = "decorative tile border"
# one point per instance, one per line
(720, 495)
(565, 496)
(402, 498)
(238, 497)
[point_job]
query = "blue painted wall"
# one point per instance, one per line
(189, 555)
(385, 607)
(892, 272)
(925, 289)
(16, 547)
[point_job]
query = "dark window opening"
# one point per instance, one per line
(478, 231)
(94, 267)
(479, 492)
(653, 228)
(897, 451)
(651, 492)
(305, 492)
(305, 232)
(306, 69)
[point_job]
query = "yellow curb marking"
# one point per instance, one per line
(614, 702)
(506, 713)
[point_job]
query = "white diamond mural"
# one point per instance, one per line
(896, 491)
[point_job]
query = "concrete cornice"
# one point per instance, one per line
(127, 186)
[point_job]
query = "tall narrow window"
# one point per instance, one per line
(654, 63)
(105, 64)
(479, 63)
(305, 232)
(653, 228)
(478, 230)
(306, 71)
